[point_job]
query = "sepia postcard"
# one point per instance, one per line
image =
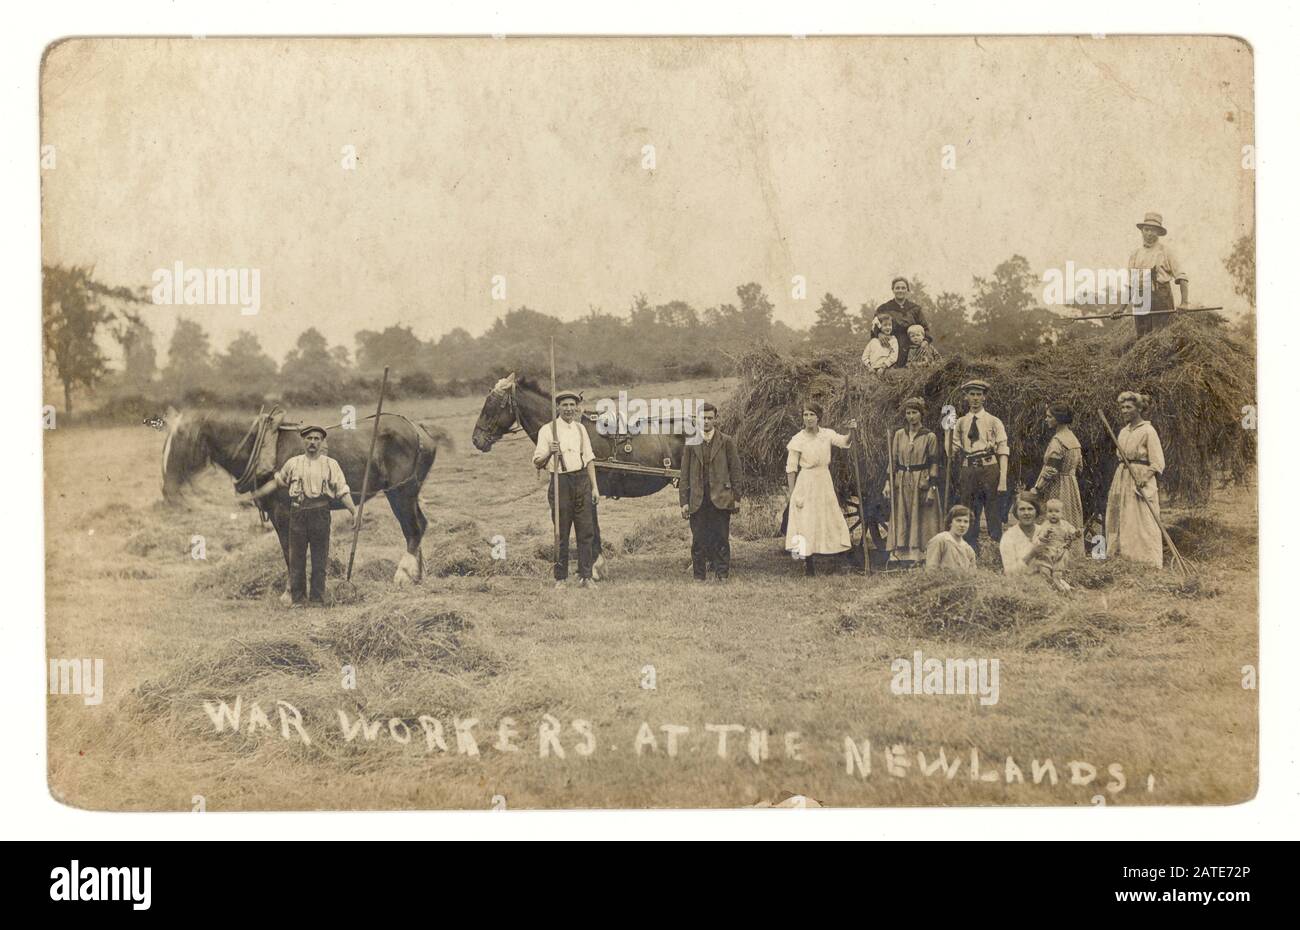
(510, 423)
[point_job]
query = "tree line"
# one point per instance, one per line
(1002, 314)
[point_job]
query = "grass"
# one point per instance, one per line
(1132, 669)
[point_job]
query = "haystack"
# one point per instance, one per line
(1199, 375)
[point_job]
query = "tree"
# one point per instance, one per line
(72, 312)
(139, 356)
(834, 326)
(1241, 265)
(755, 313)
(189, 358)
(1006, 312)
(949, 323)
(310, 366)
(245, 366)
(396, 347)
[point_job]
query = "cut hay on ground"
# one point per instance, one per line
(1017, 612)
(1198, 374)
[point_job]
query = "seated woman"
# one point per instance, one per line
(882, 351)
(1017, 545)
(948, 550)
(922, 354)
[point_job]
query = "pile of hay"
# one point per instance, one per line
(1198, 373)
(228, 670)
(1020, 612)
(405, 634)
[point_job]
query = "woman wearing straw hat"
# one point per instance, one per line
(816, 523)
(912, 486)
(1058, 479)
(1132, 528)
(1153, 271)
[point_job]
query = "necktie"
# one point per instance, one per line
(974, 432)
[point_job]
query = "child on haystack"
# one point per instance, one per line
(882, 350)
(1052, 546)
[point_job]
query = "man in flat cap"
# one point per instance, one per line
(564, 446)
(1153, 271)
(314, 481)
(981, 449)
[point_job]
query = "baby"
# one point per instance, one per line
(882, 350)
(922, 354)
(1053, 539)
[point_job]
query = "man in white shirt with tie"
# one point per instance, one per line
(982, 450)
(563, 445)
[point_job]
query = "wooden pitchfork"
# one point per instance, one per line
(1181, 565)
(365, 477)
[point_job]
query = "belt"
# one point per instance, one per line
(979, 458)
(570, 474)
(1139, 462)
(922, 467)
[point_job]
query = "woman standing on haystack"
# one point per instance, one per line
(816, 524)
(1133, 528)
(1059, 479)
(912, 486)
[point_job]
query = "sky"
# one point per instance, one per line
(526, 158)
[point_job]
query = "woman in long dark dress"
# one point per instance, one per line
(1058, 479)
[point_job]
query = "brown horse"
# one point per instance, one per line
(404, 453)
(522, 401)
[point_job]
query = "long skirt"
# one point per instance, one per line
(913, 521)
(1131, 530)
(1065, 488)
(816, 525)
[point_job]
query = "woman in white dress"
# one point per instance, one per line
(816, 524)
(1132, 530)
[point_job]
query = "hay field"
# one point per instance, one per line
(1133, 677)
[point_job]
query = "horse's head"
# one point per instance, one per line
(185, 453)
(498, 414)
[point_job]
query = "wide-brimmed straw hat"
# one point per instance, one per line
(1153, 221)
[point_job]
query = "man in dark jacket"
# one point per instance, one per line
(709, 494)
(905, 312)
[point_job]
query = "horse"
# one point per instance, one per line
(522, 401)
(404, 453)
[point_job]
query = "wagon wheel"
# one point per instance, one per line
(876, 530)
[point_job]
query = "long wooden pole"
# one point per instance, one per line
(1125, 316)
(857, 478)
(365, 478)
(1178, 561)
(555, 463)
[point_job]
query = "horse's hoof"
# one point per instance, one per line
(598, 569)
(408, 570)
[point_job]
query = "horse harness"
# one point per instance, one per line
(267, 420)
(620, 441)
